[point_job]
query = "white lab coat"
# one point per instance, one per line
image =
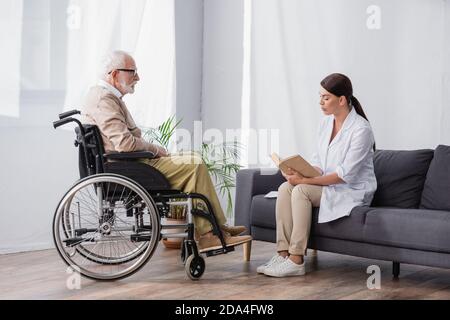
(350, 155)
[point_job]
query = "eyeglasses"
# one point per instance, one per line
(126, 70)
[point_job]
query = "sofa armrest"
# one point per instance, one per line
(251, 182)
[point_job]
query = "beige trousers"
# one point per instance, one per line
(293, 216)
(187, 172)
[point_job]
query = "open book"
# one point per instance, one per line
(297, 163)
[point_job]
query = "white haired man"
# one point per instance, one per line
(105, 109)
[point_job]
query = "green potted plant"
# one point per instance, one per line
(222, 161)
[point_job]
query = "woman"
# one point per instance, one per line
(344, 159)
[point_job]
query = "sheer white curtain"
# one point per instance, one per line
(145, 28)
(399, 70)
(11, 39)
(155, 98)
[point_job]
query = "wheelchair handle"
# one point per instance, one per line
(68, 114)
(62, 122)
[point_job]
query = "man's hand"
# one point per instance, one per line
(159, 151)
(162, 152)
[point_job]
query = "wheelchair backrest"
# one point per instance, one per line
(90, 151)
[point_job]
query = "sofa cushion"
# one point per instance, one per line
(436, 191)
(348, 228)
(400, 177)
(418, 229)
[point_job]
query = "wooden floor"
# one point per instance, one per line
(42, 275)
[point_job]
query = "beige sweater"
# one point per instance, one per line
(117, 127)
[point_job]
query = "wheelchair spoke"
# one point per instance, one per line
(127, 197)
(127, 243)
(88, 195)
(126, 223)
(92, 199)
(130, 201)
(91, 206)
(120, 198)
(83, 217)
(105, 196)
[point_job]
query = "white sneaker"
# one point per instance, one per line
(276, 259)
(288, 268)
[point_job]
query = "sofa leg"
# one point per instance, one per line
(311, 252)
(247, 250)
(396, 269)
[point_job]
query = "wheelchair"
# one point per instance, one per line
(109, 223)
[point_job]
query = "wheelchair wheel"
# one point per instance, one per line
(195, 267)
(107, 226)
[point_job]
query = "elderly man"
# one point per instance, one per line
(105, 109)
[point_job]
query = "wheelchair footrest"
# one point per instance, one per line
(83, 231)
(218, 251)
(140, 237)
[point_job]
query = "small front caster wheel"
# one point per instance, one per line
(195, 267)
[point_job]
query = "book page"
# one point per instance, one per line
(275, 158)
(271, 195)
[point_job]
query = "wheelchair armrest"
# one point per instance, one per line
(129, 155)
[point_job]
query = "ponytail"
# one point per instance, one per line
(359, 110)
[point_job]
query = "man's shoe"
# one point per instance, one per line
(288, 268)
(210, 241)
(233, 230)
(276, 259)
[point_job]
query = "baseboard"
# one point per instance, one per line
(26, 247)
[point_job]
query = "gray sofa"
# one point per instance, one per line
(407, 222)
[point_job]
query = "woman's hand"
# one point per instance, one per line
(293, 177)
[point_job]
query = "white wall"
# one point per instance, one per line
(222, 64)
(222, 68)
(189, 38)
(446, 79)
(38, 163)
